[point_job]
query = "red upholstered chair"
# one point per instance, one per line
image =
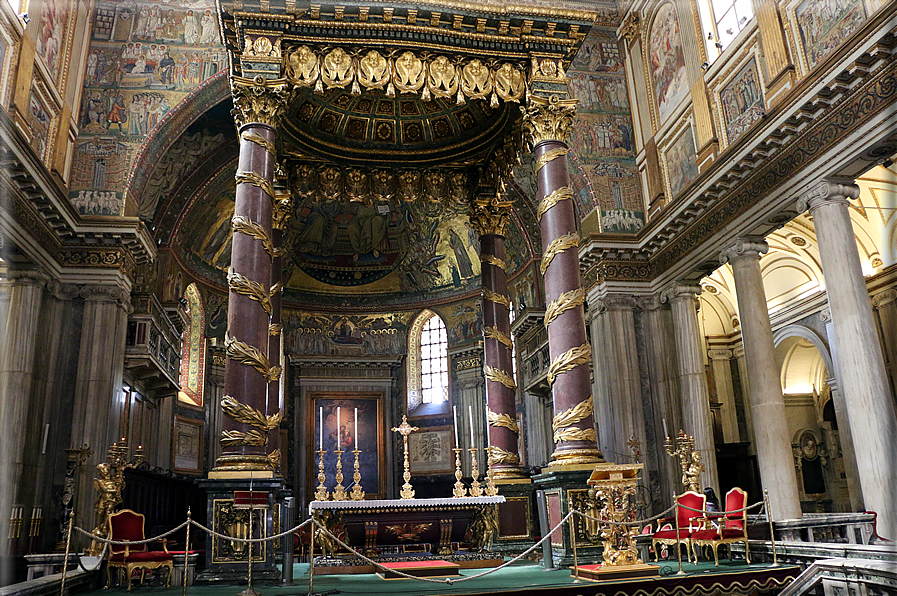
(685, 516)
(129, 525)
(732, 526)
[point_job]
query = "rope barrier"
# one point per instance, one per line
(632, 523)
(721, 513)
(130, 542)
(263, 539)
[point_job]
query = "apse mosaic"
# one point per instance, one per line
(602, 165)
(316, 334)
(144, 57)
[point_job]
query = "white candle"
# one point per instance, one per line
(455, 415)
(356, 428)
(488, 430)
(666, 433)
(321, 438)
(470, 416)
(338, 446)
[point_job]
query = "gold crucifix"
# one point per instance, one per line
(406, 429)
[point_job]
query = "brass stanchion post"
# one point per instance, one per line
(68, 545)
(575, 556)
(772, 530)
(311, 559)
(187, 551)
(678, 549)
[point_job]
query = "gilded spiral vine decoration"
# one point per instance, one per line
(564, 302)
(563, 193)
(503, 420)
(558, 245)
(499, 376)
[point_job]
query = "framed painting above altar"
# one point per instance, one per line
(343, 434)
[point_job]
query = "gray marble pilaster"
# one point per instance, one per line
(745, 384)
(471, 399)
(690, 345)
(538, 412)
(720, 360)
(862, 370)
(98, 386)
(618, 402)
(772, 439)
(885, 305)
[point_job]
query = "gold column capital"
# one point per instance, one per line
(548, 119)
(283, 209)
(259, 100)
(489, 215)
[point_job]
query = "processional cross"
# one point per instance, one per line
(406, 429)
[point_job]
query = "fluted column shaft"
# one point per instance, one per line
(696, 417)
(25, 289)
(501, 410)
(548, 123)
(863, 378)
(720, 360)
(885, 303)
(772, 438)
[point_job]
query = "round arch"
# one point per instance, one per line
(810, 335)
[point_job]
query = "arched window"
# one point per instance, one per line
(193, 350)
(428, 377)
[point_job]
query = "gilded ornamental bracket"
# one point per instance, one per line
(259, 100)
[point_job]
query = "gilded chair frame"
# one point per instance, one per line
(128, 567)
(687, 527)
(724, 519)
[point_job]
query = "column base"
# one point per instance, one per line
(242, 466)
(517, 516)
(501, 474)
(575, 459)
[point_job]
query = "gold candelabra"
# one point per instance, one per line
(689, 459)
(357, 494)
(475, 489)
(405, 429)
(490, 490)
(109, 483)
(321, 494)
(339, 492)
(460, 490)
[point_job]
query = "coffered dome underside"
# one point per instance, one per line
(404, 131)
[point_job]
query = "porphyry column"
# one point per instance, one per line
(258, 105)
(871, 412)
(771, 436)
(489, 217)
(547, 124)
(281, 215)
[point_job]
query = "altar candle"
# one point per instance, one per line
(488, 433)
(470, 416)
(455, 415)
(356, 428)
(337, 428)
(321, 438)
(666, 433)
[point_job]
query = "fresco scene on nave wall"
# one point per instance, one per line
(144, 57)
(742, 101)
(55, 25)
(666, 61)
(681, 162)
(824, 24)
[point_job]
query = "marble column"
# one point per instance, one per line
(885, 304)
(663, 375)
(98, 385)
(24, 289)
(501, 386)
(249, 371)
(772, 438)
(618, 399)
(695, 397)
(547, 123)
(720, 360)
(863, 378)
(745, 384)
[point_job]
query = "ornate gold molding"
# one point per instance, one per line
(494, 333)
(568, 361)
(489, 215)
(548, 119)
(493, 260)
(573, 433)
(558, 245)
(497, 455)
(630, 27)
(251, 289)
(259, 100)
(236, 438)
(260, 141)
(249, 415)
(503, 420)
(577, 413)
(250, 356)
(275, 329)
(244, 225)
(499, 376)
(564, 302)
(283, 211)
(497, 298)
(564, 193)
(550, 156)
(255, 180)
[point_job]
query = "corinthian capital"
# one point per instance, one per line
(259, 100)
(830, 190)
(489, 215)
(548, 119)
(678, 290)
(745, 246)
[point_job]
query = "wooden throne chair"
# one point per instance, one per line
(731, 526)
(128, 558)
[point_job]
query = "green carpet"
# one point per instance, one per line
(522, 576)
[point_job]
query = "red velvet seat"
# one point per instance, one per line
(732, 526)
(685, 517)
(128, 558)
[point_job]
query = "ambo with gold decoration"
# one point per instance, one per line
(612, 486)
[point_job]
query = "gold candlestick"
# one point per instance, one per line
(339, 493)
(405, 429)
(460, 490)
(689, 459)
(357, 494)
(491, 490)
(475, 488)
(321, 494)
